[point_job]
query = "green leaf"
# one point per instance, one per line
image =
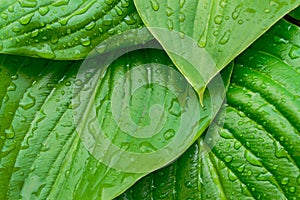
(212, 32)
(64, 29)
(45, 153)
(295, 13)
(256, 154)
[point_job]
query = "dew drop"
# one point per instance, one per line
(12, 87)
(154, 5)
(292, 189)
(169, 134)
(16, 29)
(252, 159)
(45, 51)
(169, 11)
(294, 52)
(4, 15)
(231, 176)
(170, 24)
(129, 20)
(10, 132)
(228, 159)
(107, 20)
(237, 145)
(34, 33)
(11, 8)
(189, 184)
(181, 17)
(28, 3)
(218, 19)
(181, 3)
(54, 39)
(28, 102)
(85, 41)
(225, 38)
(43, 10)
(26, 19)
(241, 168)
(90, 26)
(285, 181)
(146, 147)
(202, 40)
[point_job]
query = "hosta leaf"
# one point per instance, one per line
(43, 156)
(220, 30)
(256, 154)
(295, 13)
(64, 29)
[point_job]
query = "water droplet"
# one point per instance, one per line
(189, 184)
(26, 19)
(107, 20)
(222, 3)
(85, 41)
(4, 15)
(181, 3)
(28, 102)
(202, 40)
(34, 33)
(43, 10)
(10, 132)
(45, 51)
(228, 159)
(267, 10)
(169, 11)
(154, 5)
(16, 29)
(146, 147)
(169, 134)
(292, 189)
(170, 24)
(252, 159)
(54, 39)
(109, 2)
(129, 20)
(12, 87)
(28, 3)
(181, 17)
(237, 145)
(101, 48)
(294, 52)
(218, 19)
(241, 168)
(226, 134)
(225, 38)
(11, 8)
(236, 12)
(240, 21)
(231, 176)
(285, 181)
(90, 26)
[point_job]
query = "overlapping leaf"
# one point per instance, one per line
(255, 155)
(221, 29)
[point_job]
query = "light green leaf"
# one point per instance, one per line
(256, 154)
(220, 29)
(44, 151)
(64, 29)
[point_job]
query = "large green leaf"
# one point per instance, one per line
(43, 156)
(64, 29)
(256, 154)
(219, 29)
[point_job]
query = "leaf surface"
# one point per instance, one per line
(220, 30)
(256, 154)
(64, 29)
(43, 150)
